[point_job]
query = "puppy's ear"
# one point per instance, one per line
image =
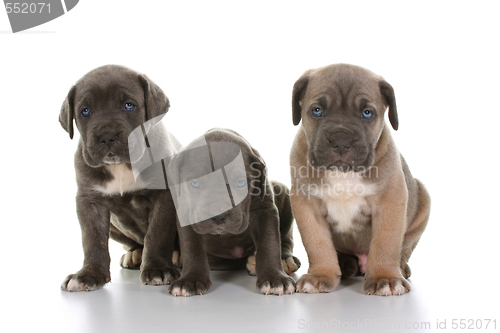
(67, 113)
(299, 90)
(390, 100)
(156, 101)
(260, 181)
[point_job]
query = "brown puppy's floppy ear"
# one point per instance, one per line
(155, 99)
(67, 113)
(259, 165)
(299, 90)
(389, 98)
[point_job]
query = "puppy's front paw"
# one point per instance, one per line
(290, 264)
(276, 285)
(132, 259)
(386, 286)
(189, 287)
(309, 283)
(159, 275)
(85, 280)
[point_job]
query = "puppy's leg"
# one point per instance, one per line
(324, 270)
(383, 269)
(157, 267)
(289, 262)
(133, 258)
(94, 222)
(195, 278)
(271, 279)
(415, 227)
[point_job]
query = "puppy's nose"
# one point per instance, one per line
(220, 219)
(107, 139)
(341, 146)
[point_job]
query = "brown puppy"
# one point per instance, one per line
(357, 206)
(107, 105)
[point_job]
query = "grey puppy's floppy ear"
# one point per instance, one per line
(259, 165)
(67, 113)
(390, 100)
(155, 99)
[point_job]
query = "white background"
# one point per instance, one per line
(233, 64)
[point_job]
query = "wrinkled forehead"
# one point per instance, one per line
(200, 160)
(341, 86)
(102, 86)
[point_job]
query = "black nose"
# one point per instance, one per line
(220, 219)
(341, 146)
(107, 139)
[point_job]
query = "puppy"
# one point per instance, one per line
(107, 105)
(358, 208)
(230, 216)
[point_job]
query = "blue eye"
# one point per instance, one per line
(241, 182)
(367, 114)
(129, 107)
(85, 112)
(195, 184)
(317, 112)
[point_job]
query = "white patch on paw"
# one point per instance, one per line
(75, 285)
(289, 265)
(398, 289)
(309, 288)
(176, 259)
(178, 291)
(267, 290)
(251, 265)
(131, 259)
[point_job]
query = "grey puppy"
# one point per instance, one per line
(249, 233)
(107, 104)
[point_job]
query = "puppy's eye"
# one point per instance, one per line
(129, 107)
(195, 184)
(85, 112)
(317, 112)
(241, 182)
(367, 114)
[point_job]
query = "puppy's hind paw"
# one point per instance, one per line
(251, 266)
(290, 264)
(132, 259)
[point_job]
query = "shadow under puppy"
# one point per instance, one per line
(230, 215)
(107, 105)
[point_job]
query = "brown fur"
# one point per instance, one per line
(394, 208)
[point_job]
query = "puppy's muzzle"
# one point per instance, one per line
(220, 219)
(342, 147)
(107, 139)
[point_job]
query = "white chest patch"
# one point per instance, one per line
(123, 181)
(344, 196)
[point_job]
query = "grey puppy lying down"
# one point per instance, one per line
(230, 216)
